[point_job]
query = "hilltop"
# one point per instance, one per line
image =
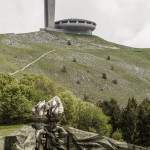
(92, 68)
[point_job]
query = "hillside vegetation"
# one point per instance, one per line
(19, 95)
(90, 67)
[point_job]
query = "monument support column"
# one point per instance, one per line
(49, 6)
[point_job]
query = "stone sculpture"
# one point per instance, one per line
(49, 134)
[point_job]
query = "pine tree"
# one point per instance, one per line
(144, 123)
(111, 109)
(129, 121)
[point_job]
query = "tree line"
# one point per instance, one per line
(19, 94)
(131, 123)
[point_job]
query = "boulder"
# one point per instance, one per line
(24, 139)
(96, 142)
(2, 143)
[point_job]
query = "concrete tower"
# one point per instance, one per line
(49, 8)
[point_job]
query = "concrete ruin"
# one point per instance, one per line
(76, 26)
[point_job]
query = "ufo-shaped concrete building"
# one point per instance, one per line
(77, 26)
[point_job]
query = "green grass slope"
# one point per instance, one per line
(85, 61)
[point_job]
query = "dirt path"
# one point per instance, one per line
(33, 62)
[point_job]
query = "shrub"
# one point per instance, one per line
(37, 88)
(104, 76)
(74, 60)
(115, 81)
(15, 107)
(108, 57)
(78, 82)
(84, 115)
(69, 43)
(64, 69)
(70, 103)
(117, 135)
(4, 80)
(18, 96)
(92, 118)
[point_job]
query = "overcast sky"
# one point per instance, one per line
(121, 21)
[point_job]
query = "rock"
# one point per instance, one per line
(23, 40)
(24, 139)
(82, 135)
(88, 139)
(1, 143)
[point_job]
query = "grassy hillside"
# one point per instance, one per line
(6, 130)
(79, 67)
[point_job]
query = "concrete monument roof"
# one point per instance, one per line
(75, 24)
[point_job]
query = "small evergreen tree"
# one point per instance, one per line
(64, 69)
(108, 57)
(144, 123)
(111, 109)
(74, 60)
(115, 81)
(69, 43)
(104, 76)
(129, 121)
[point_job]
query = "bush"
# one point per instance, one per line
(84, 115)
(115, 81)
(117, 135)
(104, 76)
(64, 69)
(18, 95)
(74, 60)
(69, 43)
(4, 80)
(15, 107)
(37, 88)
(91, 118)
(70, 103)
(78, 82)
(108, 57)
